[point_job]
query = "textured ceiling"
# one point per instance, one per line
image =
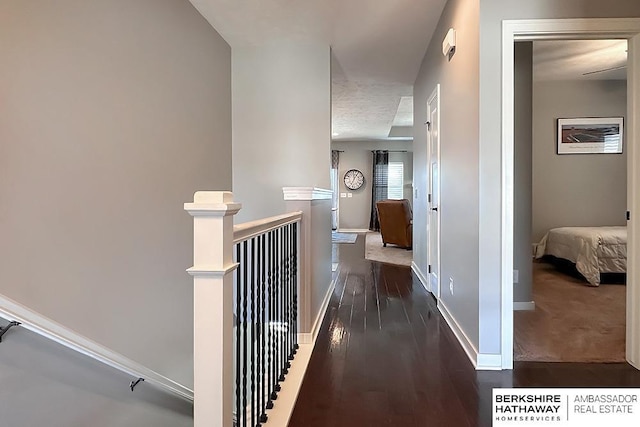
(365, 109)
(404, 115)
(572, 59)
(377, 48)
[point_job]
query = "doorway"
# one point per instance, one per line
(575, 29)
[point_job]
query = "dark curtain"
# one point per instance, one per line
(379, 183)
(335, 159)
(335, 162)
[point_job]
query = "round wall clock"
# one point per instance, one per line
(353, 179)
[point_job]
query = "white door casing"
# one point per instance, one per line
(549, 29)
(632, 129)
(433, 159)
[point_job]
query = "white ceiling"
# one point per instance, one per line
(377, 48)
(579, 60)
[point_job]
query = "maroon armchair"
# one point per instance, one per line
(395, 222)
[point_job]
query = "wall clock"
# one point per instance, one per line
(353, 179)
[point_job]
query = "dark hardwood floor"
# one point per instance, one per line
(386, 357)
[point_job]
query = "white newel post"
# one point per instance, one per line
(212, 273)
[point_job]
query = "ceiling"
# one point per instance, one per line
(579, 60)
(377, 49)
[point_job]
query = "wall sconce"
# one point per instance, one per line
(449, 43)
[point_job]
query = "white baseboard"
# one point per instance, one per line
(353, 230)
(489, 362)
(310, 337)
(524, 306)
(467, 345)
(43, 326)
(283, 407)
(421, 277)
(480, 361)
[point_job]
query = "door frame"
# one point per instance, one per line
(549, 29)
(434, 95)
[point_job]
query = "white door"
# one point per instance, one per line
(433, 200)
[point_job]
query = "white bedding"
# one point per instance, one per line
(594, 250)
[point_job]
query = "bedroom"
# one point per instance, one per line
(565, 312)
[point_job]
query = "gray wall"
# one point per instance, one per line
(320, 254)
(316, 264)
(459, 129)
(113, 113)
(523, 104)
(354, 212)
(492, 13)
(576, 190)
(282, 124)
(45, 384)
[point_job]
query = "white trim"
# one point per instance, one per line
(211, 271)
(633, 202)
(41, 325)
(212, 203)
(247, 230)
(283, 407)
(420, 275)
(603, 28)
(467, 345)
(524, 306)
(306, 193)
(489, 362)
(507, 180)
(310, 337)
(513, 30)
(212, 306)
(480, 361)
(354, 230)
(435, 95)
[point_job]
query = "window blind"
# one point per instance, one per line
(395, 184)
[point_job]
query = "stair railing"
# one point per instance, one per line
(245, 310)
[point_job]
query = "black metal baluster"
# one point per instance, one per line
(285, 318)
(295, 286)
(276, 305)
(279, 311)
(277, 365)
(285, 321)
(245, 269)
(270, 283)
(281, 354)
(291, 288)
(288, 299)
(253, 331)
(283, 298)
(238, 339)
(263, 413)
(258, 340)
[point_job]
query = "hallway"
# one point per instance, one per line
(385, 357)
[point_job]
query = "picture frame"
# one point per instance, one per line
(598, 135)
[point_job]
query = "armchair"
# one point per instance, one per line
(395, 218)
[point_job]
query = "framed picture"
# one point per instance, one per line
(602, 135)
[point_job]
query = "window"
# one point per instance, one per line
(395, 183)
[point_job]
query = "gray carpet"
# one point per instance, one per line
(572, 322)
(374, 251)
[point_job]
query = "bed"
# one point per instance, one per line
(593, 250)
